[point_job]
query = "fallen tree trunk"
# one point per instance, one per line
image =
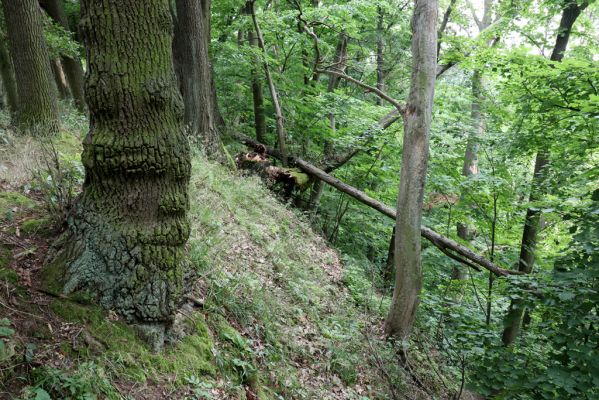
(448, 246)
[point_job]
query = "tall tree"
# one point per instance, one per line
(192, 63)
(71, 66)
(470, 167)
(257, 93)
(130, 225)
(532, 222)
(417, 122)
(37, 103)
(380, 53)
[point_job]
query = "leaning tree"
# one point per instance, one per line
(130, 223)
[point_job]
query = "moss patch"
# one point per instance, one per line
(6, 273)
(9, 201)
(52, 275)
(130, 357)
(41, 226)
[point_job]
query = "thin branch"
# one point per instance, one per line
(400, 107)
(443, 26)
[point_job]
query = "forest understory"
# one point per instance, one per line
(271, 315)
(299, 199)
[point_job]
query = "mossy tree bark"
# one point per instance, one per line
(8, 77)
(130, 223)
(71, 66)
(417, 121)
(37, 100)
(192, 63)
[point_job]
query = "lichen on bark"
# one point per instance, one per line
(129, 227)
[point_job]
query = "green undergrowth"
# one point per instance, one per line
(281, 317)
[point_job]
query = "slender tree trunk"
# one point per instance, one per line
(334, 80)
(380, 54)
(61, 84)
(532, 222)
(470, 167)
(8, 78)
(417, 121)
(130, 224)
(37, 104)
(192, 62)
(71, 66)
(280, 124)
(258, 96)
(389, 271)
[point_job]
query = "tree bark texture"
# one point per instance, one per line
(71, 66)
(417, 121)
(8, 78)
(36, 91)
(532, 222)
(130, 222)
(192, 63)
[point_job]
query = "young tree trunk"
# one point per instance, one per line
(417, 121)
(71, 66)
(280, 124)
(258, 96)
(470, 166)
(380, 54)
(389, 271)
(130, 224)
(328, 152)
(192, 63)
(61, 84)
(8, 78)
(532, 222)
(37, 103)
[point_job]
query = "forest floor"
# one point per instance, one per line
(273, 314)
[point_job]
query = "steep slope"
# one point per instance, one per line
(269, 316)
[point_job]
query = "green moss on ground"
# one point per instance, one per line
(52, 275)
(130, 357)
(6, 273)
(11, 202)
(40, 226)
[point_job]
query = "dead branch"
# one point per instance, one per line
(445, 244)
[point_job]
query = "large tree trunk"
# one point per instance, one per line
(8, 78)
(37, 103)
(71, 66)
(191, 49)
(130, 222)
(417, 121)
(532, 222)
